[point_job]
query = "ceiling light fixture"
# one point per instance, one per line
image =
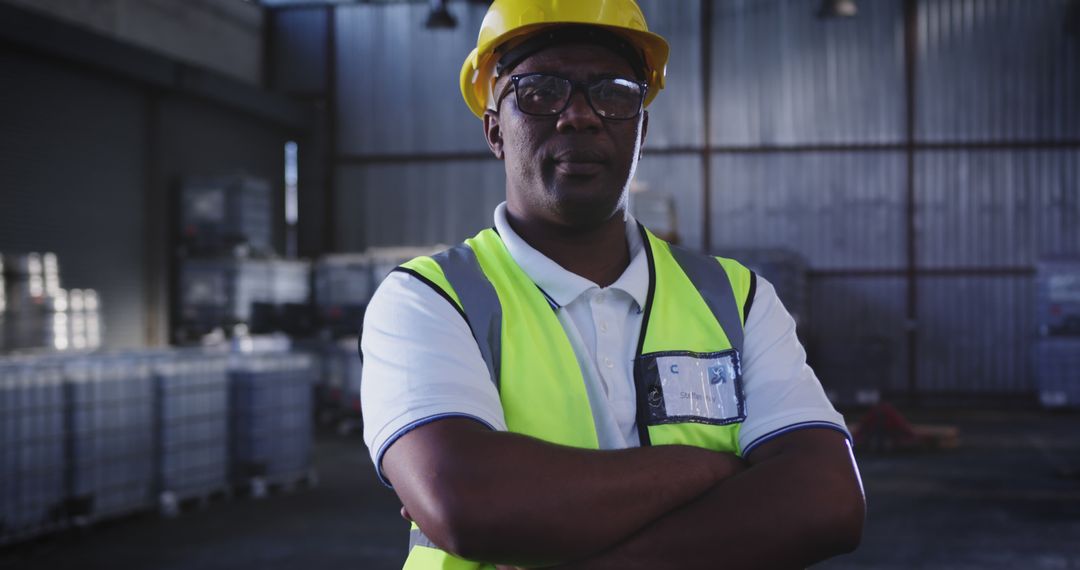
(439, 18)
(838, 9)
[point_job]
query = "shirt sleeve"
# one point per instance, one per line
(782, 392)
(421, 364)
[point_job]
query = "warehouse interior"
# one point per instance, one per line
(200, 196)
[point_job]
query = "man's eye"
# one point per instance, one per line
(616, 89)
(539, 94)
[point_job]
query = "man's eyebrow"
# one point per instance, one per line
(589, 77)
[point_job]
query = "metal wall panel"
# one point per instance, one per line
(410, 101)
(398, 86)
(975, 334)
(680, 178)
(416, 204)
(996, 70)
(299, 49)
(72, 150)
(997, 208)
(837, 210)
(782, 76)
(223, 36)
(856, 336)
(675, 117)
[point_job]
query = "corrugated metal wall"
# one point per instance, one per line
(398, 82)
(840, 210)
(1000, 70)
(997, 208)
(679, 176)
(417, 204)
(299, 50)
(71, 173)
(974, 334)
(676, 119)
(781, 76)
(809, 149)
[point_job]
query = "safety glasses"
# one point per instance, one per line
(547, 95)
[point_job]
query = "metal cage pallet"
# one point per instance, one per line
(89, 437)
(110, 418)
(191, 428)
(271, 422)
(32, 447)
(1057, 371)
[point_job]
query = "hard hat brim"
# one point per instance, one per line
(477, 70)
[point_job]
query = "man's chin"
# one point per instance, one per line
(586, 208)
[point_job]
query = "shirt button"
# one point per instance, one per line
(599, 298)
(603, 326)
(608, 362)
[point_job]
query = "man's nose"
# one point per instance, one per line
(578, 115)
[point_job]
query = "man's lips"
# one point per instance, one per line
(579, 162)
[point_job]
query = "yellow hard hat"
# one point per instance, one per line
(508, 20)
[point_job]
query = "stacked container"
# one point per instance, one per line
(35, 307)
(88, 437)
(1057, 349)
(35, 313)
(110, 423)
(230, 278)
(339, 387)
(271, 427)
(31, 448)
(191, 426)
(343, 285)
(220, 292)
(1057, 368)
(220, 214)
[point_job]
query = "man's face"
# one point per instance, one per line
(572, 169)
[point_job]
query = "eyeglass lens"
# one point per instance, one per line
(611, 98)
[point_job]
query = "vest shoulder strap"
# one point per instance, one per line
(456, 275)
(723, 284)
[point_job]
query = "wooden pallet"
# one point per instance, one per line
(263, 486)
(172, 504)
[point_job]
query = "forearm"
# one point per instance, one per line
(784, 512)
(513, 499)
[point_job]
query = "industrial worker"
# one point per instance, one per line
(567, 390)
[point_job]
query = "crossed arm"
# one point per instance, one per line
(511, 499)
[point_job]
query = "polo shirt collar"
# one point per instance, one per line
(562, 286)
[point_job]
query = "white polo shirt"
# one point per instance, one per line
(422, 364)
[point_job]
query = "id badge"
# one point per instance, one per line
(692, 387)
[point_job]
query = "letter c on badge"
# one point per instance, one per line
(674, 368)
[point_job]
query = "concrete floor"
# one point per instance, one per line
(1009, 497)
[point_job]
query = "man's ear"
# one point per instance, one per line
(492, 133)
(644, 131)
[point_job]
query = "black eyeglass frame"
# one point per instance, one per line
(575, 86)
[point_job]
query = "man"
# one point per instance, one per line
(568, 390)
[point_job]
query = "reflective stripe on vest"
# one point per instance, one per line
(695, 306)
(479, 302)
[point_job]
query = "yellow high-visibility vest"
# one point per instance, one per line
(687, 370)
